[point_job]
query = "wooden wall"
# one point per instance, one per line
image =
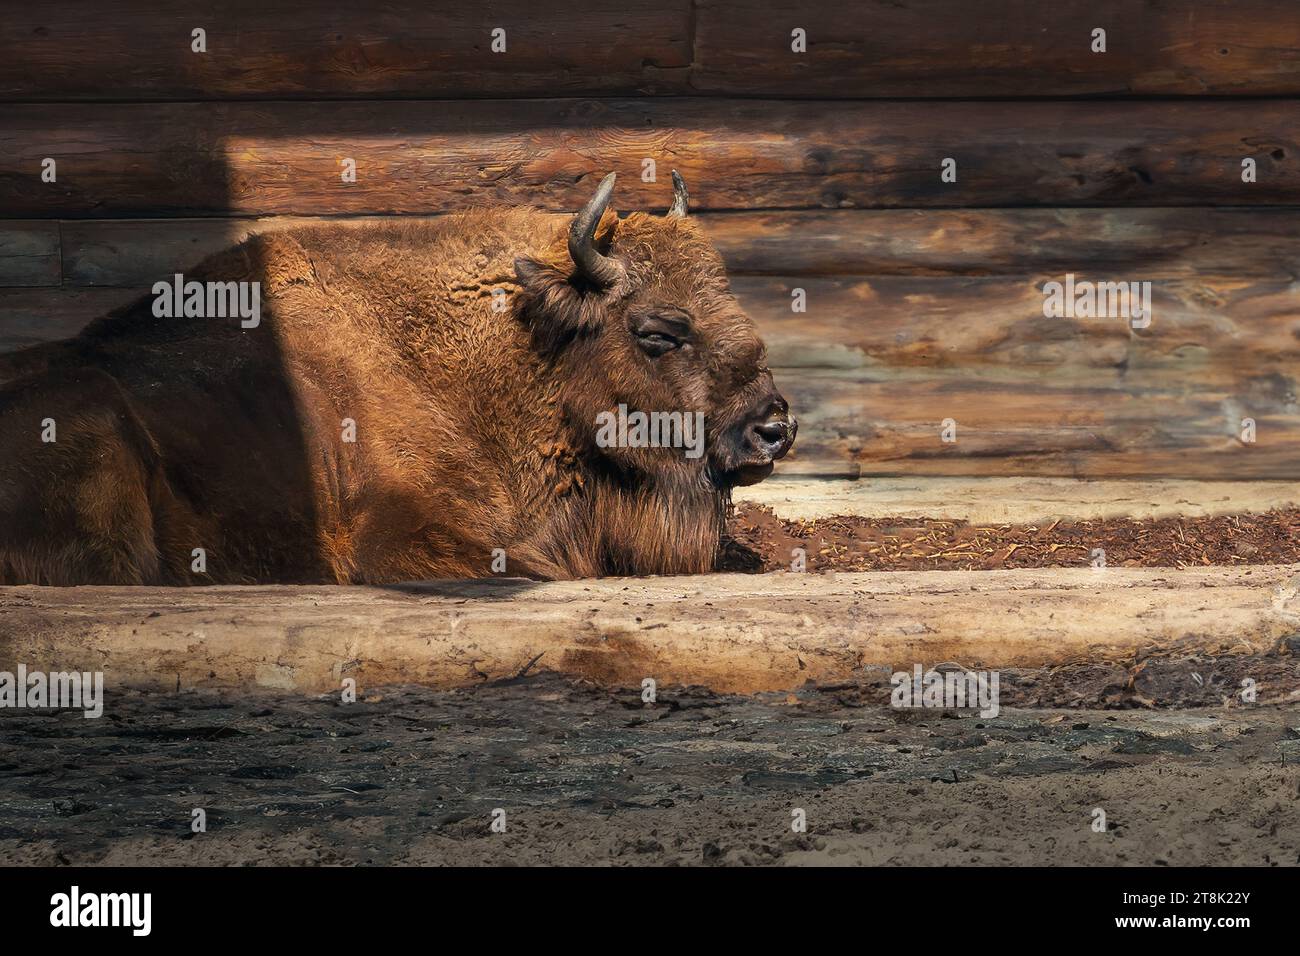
(818, 171)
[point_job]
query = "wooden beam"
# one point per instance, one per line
(859, 422)
(32, 316)
(29, 253)
(1156, 243)
(284, 49)
(928, 48)
(1222, 329)
(915, 48)
(173, 159)
(733, 633)
(1179, 242)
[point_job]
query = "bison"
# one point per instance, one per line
(416, 400)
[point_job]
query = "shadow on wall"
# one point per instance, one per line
(184, 423)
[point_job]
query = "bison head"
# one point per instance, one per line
(638, 313)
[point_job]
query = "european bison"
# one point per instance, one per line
(413, 401)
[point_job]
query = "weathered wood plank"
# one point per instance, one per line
(32, 316)
(76, 49)
(29, 253)
(422, 157)
(926, 48)
(914, 48)
(1155, 243)
(1016, 500)
(733, 633)
(137, 252)
(1199, 327)
(862, 423)
(1151, 243)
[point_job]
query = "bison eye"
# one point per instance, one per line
(659, 334)
(656, 343)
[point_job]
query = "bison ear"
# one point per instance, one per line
(551, 306)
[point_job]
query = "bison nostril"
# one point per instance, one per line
(772, 439)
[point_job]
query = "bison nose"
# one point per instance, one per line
(773, 438)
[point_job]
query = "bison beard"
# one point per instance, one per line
(192, 451)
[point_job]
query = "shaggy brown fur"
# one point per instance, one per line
(474, 428)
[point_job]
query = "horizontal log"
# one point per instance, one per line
(1208, 328)
(1152, 243)
(1155, 243)
(1017, 500)
(732, 633)
(920, 48)
(174, 159)
(888, 422)
(32, 316)
(77, 49)
(29, 253)
(916, 48)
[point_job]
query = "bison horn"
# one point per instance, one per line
(681, 198)
(602, 270)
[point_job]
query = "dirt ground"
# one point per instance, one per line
(761, 541)
(593, 776)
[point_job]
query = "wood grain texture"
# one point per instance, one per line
(1153, 243)
(854, 423)
(928, 48)
(29, 253)
(1198, 327)
(1016, 500)
(172, 159)
(733, 633)
(875, 48)
(32, 316)
(77, 49)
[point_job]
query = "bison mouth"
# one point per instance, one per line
(750, 456)
(748, 474)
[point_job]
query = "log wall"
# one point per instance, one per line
(815, 171)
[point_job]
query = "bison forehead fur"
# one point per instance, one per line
(474, 426)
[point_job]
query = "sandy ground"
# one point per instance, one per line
(592, 776)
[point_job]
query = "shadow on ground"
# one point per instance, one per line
(412, 776)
